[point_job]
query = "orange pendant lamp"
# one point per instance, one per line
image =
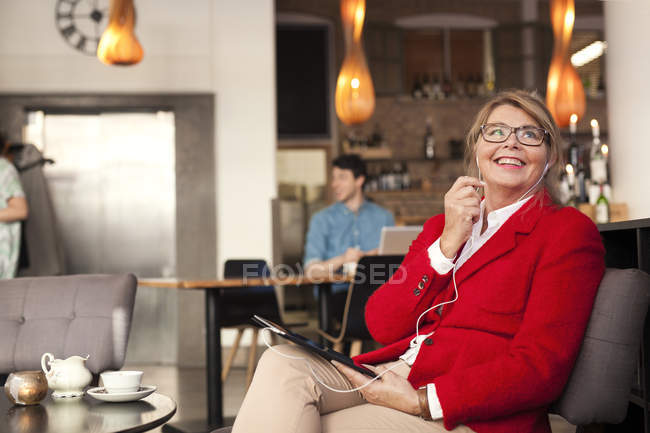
(118, 44)
(355, 94)
(564, 92)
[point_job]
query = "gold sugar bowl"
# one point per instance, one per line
(26, 387)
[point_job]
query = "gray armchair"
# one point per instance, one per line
(65, 315)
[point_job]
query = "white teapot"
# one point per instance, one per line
(67, 377)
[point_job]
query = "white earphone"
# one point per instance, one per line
(536, 183)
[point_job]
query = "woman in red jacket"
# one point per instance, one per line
(482, 322)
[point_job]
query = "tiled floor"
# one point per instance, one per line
(187, 387)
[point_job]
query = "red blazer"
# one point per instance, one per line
(504, 350)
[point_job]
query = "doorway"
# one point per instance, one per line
(113, 189)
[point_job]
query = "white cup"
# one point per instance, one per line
(116, 382)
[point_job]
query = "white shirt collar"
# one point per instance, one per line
(496, 218)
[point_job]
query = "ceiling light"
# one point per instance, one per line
(355, 94)
(564, 92)
(118, 44)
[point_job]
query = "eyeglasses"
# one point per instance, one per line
(526, 135)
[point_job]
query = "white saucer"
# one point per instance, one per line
(100, 394)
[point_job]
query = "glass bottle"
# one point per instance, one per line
(427, 91)
(581, 184)
(602, 207)
(481, 89)
(406, 178)
(574, 150)
(416, 92)
(397, 177)
(471, 86)
(429, 142)
(598, 164)
(460, 86)
(567, 186)
(383, 180)
(436, 88)
(376, 138)
(446, 88)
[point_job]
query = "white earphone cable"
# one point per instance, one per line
(313, 372)
(453, 277)
(536, 183)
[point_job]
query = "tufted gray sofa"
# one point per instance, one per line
(65, 315)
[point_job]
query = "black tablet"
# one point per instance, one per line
(325, 352)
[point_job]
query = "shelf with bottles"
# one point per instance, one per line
(403, 193)
(407, 178)
(370, 146)
(585, 183)
(409, 99)
(413, 160)
(437, 87)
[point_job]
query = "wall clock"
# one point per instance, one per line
(82, 22)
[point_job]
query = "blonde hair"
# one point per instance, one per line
(532, 105)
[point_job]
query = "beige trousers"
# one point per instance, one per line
(285, 398)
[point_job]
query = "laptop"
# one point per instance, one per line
(397, 240)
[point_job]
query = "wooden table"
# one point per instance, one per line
(86, 415)
(212, 289)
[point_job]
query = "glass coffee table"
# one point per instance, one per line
(86, 414)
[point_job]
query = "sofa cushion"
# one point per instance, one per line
(65, 315)
(599, 386)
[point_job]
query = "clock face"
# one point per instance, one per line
(82, 22)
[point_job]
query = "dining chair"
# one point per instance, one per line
(239, 304)
(371, 272)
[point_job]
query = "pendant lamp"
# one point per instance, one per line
(118, 44)
(355, 94)
(564, 92)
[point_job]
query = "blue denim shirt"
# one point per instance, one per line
(336, 228)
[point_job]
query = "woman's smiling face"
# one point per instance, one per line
(510, 168)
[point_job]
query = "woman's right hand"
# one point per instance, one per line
(462, 210)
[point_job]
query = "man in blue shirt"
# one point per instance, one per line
(344, 232)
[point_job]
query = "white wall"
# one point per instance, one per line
(226, 47)
(244, 72)
(628, 98)
(177, 40)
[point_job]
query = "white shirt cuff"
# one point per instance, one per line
(434, 403)
(439, 262)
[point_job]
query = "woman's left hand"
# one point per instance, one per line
(390, 390)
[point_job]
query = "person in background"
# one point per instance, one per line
(342, 233)
(516, 275)
(13, 210)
